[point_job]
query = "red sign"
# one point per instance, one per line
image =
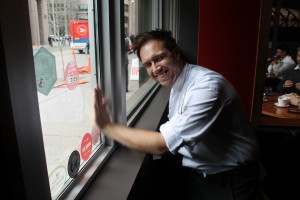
(82, 30)
(71, 75)
(86, 146)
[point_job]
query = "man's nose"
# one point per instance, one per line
(155, 67)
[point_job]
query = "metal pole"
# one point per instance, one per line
(53, 18)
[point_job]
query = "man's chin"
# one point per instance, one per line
(165, 83)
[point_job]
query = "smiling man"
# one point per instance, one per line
(207, 124)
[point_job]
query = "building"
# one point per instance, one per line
(52, 17)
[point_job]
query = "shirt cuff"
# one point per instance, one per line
(173, 140)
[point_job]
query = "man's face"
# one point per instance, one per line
(162, 65)
(280, 53)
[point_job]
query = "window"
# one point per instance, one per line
(83, 7)
(64, 70)
(65, 77)
(126, 7)
(283, 28)
(136, 19)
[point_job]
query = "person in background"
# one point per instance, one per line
(206, 124)
(281, 62)
(132, 37)
(290, 82)
(50, 40)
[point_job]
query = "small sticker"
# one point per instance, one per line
(57, 180)
(72, 75)
(74, 164)
(86, 146)
(95, 133)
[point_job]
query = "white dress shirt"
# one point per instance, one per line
(207, 123)
(281, 67)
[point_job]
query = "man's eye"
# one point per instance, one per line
(147, 65)
(160, 58)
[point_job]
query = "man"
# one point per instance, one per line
(132, 38)
(50, 41)
(207, 124)
(281, 63)
(290, 82)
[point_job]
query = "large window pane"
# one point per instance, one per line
(138, 82)
(140, 16)
(65, 78)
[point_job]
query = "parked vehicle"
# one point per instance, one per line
(79, 32)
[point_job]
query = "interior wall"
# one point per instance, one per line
(188, 29)
(228, 41)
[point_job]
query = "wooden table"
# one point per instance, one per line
(273, 115)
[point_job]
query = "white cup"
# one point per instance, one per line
(283, 101)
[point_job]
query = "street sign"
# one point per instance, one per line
(134, 72)
(45, 70)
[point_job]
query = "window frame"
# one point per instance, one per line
(25, 132)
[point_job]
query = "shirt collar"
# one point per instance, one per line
(178, 84)
(297, 67)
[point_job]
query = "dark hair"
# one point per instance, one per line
(158, 34)
(284, 47)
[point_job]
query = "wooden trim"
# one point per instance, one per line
(272, 121)
(261, 61)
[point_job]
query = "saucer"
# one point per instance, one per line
(282, 106)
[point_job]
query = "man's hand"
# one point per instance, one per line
(138, 139)
(288, 84)
(294, 98)
(297, 86)
(102, 118)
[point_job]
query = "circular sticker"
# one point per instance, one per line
(57, 180)
(86, 146)
(74, 164)
(71, 75)
(95, 133)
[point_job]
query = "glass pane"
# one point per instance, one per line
(282, 58)
(65, 78)
(137, 79)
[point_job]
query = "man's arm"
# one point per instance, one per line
(282, 67)
(280, 87)
(137, 139)
(294, 99)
